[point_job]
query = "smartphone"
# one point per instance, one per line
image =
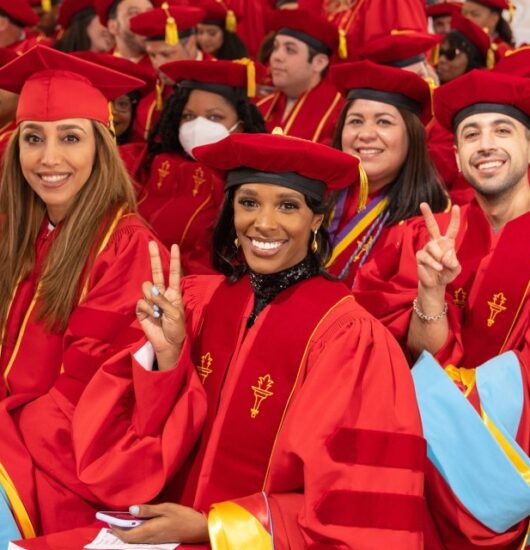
(119, 519)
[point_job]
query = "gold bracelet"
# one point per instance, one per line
(428, 318)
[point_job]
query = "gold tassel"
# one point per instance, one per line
(490, 58)
(435, 55)
(46, 6)
(343, 45)
(231, 21)
(277, 131)
(363, 192)
(172, 33)
(159, 88)
(432, 86)
(251, 75)
(111, 122)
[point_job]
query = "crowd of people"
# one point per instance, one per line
(262, 273)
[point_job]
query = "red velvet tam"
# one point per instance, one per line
(477, 36)
(217, 12)
(481, 91)
(54, 85)
(70, 8)
(122, 65)
(220, 77)
(368, 80)
(161, 23)
(496, 4)
(515, 62)
(20, 12)
(443, 9)
(299, 164)
(102, 9)
(309, 27)
(399, 48)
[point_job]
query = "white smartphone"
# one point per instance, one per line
(119, 519)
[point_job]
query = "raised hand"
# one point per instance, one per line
(437, 262)
(161, 312)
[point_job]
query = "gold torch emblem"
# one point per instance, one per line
(261, 392)
(496, 306)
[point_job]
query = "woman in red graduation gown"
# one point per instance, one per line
(72, 254)
(383, 124)
(311, 434)
(181, 197)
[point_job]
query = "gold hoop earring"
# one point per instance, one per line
(236, 242)
(314, 244)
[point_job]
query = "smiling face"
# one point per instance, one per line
(493, 153)
(274, 226)
(376, 133)
(56, 159)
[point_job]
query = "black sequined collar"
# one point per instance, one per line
(267, 287)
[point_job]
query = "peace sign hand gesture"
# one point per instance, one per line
(161, 311)
(437, 262)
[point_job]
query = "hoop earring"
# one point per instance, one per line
(314, 244)
(236, 242)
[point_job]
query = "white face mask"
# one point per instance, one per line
(201, 131)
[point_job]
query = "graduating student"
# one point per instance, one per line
(311, 434)
(181, 197)
(72, 249)
(16, 18)
(382, 123)
(472, 311)
(170, 35)
(306, 103)
(441, 14)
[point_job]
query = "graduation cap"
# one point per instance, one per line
(217, 12)
(368, 80)
(311, 28)
(477, 36)
(443, 9)
(168, 23)
(54, 85)
(515, 62)
(310, 168)
(220, 77)
(481, 91)
(20, 12)
(70, 8)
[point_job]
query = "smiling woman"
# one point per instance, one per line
(72, 254)
(295, 377)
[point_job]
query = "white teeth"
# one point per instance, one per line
(488, 165)
(369, 151)
(54, 178)
(263, 245)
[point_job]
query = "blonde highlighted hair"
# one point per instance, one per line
(69, 260)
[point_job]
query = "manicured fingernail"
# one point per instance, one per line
(155, 291)
(134, 510)
(156, 314)
(156, 307)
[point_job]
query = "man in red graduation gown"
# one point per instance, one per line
(306, 104)
(16, 18)
(470, 283)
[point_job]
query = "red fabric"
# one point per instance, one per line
(181, 199)
(70, 8)
(147, 113)
(20, 11)
(36, 445)
(312, 117)
(367, 19)
(251, 27)
(475, 34)
(152, 23)
(368, 371)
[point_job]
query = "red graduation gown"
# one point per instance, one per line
(312, 117)
(46, 372)
(181, 199)
(342, 464)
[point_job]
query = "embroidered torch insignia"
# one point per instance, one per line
(261, 392)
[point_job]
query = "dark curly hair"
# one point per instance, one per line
(226, 257)
(164, 137)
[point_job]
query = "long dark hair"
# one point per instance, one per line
(134, 96)
(75, 37)
(164, 137)
(226, 257)
(232, 47)
(418, 180)
(503, 29)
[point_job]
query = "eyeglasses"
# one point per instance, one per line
(449, 53)
(122, 104)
